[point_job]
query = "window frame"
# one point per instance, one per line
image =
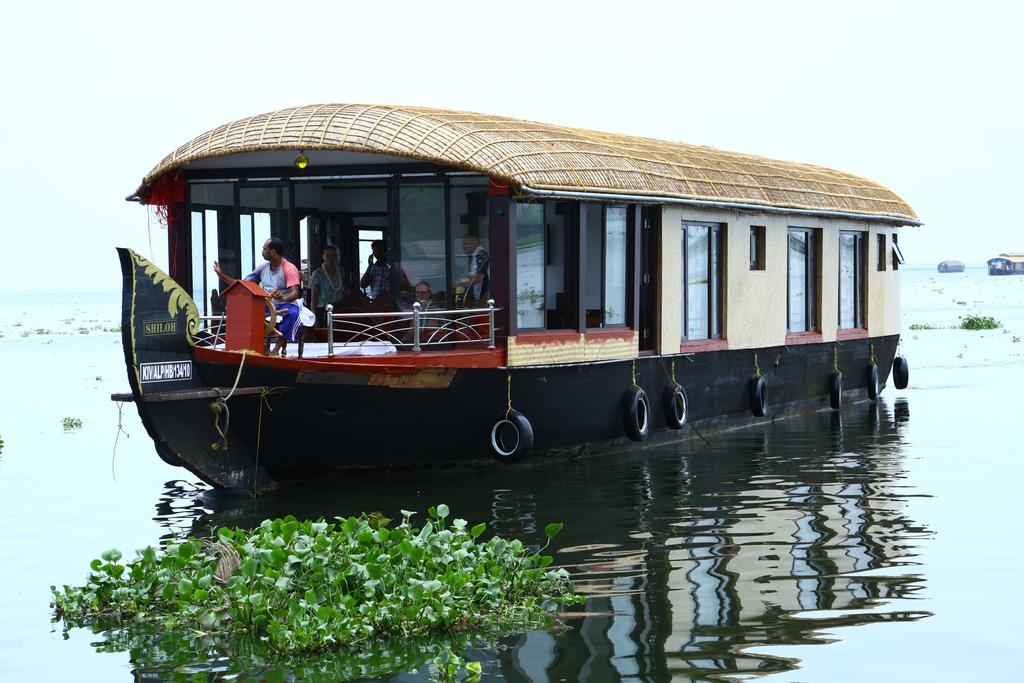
(716, 280)
(859, 281)
(812, 264)
(757, 247)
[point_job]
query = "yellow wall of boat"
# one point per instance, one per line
(754, 314)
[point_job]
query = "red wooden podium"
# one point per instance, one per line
(246, 316)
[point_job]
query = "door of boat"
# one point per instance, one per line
(650, 218)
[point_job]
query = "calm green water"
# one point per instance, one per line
(880, 544)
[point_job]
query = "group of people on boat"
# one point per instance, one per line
(329, 285)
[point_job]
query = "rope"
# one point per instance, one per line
(259, 435)
(120, 431)
(238, 376)
(221, 405)
(509, 410)
(757, 368)
(872, 359)
(835, 358)
(634, 374)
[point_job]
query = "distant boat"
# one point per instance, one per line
(950, 266)
(1006, 264)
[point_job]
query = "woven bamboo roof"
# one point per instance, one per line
(543, 157)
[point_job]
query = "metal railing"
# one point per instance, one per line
(212, 330)
(415, 329)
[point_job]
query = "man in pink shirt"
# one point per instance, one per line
(280, 279)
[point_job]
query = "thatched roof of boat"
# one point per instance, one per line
(542, 157)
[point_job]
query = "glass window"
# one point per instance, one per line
(607, 256)
(897, 255)
(883, 256)
(803, 269)
(263, 211)
(470, 256)
(530, 266)
(421, 239)
(616, 254)
(702, 257)
(851, 280)
(756, 247)
(198, 262)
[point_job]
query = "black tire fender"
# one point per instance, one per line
(758, 396)
(835, 390)
(511, 437)
(872, 379)
(636, 414)
(900, 372)
(676, 407)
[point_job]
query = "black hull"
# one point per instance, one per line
(322, 427)
(297, 420)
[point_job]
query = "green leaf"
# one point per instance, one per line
(442, 510)
(112, 555)
(477, 530)
(552, 529)
(185, 588)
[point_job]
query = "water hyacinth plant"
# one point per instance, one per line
(312, 586)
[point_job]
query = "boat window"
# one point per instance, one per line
(616, 253)
(421, 242)
(263, 213)
(198, 261)
(803, 280)
(702, 259)
(851, 279)
(606, 263)
(897, 254)
(756, 247)
(470, 242)
(883, 255)
(530, 266)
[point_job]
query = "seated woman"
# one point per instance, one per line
(327, 284)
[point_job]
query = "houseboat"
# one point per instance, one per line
(1006, 264)
(951, 266)
(498, 289)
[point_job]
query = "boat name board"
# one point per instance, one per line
(174, 371)
(155, 328)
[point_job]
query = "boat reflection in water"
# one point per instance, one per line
(688, 553)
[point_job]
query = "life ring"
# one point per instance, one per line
(674, 401)
(873, 382)
(511, 437)
(900, 372)
(835, 390)
(758, 396)
(636, 414)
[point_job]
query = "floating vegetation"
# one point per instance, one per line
(925, 326)
(1, 445)
(315, 586)
(72, 423)
(979, 322)
(83, 330)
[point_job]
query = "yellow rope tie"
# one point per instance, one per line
(221, 405)
(873, 360)
(757, 368)
(674, 374)
(509, 410)
(634, 374)
(835, 358)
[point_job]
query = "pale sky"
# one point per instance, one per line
(923, 97)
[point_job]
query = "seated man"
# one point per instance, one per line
(475, 284)
(280, 280)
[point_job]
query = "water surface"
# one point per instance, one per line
(875, 544)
